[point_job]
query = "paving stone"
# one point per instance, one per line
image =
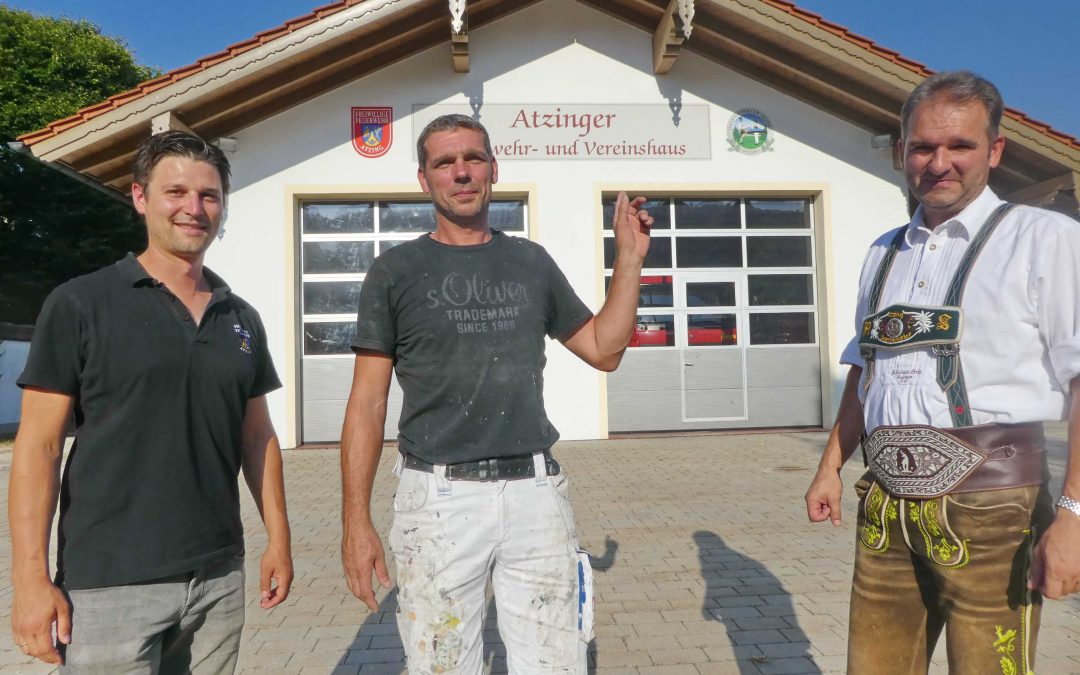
(375, 656)
(727, 668)
(665, 657)
(787, 666)
(265, 662)
(622, 659)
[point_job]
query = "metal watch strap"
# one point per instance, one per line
(1069, 504)
(950, 375)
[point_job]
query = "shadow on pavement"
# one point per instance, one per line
(604, 562)
(749, 600)
(377, 643)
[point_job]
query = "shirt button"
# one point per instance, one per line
(933, 247)
(921, 284)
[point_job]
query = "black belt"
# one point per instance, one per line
(496, 468)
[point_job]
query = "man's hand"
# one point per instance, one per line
(631, 226)
(275, 575)
(823, 497)
(362, 552)
(34, 610)
(1055, 568)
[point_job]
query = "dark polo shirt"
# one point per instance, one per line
(150, 487)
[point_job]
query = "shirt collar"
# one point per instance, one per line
(134, 273)
(967, 223)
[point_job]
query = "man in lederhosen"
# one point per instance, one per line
(968, 337)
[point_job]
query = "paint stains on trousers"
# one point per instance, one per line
(449, 543)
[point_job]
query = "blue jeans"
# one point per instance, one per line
(185, 624)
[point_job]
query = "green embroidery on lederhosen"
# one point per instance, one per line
(879, 511)
(1005, 645)
(939, 547)
(1025, 610)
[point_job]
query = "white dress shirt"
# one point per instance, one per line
(1020, 341)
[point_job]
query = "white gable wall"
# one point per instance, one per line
(555, 52)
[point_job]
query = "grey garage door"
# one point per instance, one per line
(727, 319)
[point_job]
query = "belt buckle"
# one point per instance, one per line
(919, 461)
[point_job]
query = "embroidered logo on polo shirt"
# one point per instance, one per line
(245, 338)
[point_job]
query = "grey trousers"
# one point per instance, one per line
(186, 624)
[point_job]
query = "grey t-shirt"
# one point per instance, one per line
(466, 327)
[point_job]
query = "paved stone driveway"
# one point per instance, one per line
(705, 565)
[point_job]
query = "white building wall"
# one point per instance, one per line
(555, 52)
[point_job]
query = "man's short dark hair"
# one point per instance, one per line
(177, 144)
(449, 123)
(956, 86)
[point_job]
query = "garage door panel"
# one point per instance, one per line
(715, 403)
(327, 379)
(785, 406)
(647, 370)
(326, 385)
(783, 367)
(644, 410)
(713, 369)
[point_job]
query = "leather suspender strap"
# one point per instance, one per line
(950, 375)
(875, 297)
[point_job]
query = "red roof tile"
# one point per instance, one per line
(292, 25)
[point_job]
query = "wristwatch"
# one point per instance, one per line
(1069, 504)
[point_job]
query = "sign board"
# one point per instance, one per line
(610, 131)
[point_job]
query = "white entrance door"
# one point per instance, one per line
(710, 329)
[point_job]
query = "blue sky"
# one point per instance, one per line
(1029, 50)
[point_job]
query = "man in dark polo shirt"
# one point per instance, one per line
(461, 316)
(166, 372)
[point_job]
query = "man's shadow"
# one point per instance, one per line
(750, 602)
(378, 641)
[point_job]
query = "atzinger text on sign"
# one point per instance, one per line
(372, 130)
(581, 131)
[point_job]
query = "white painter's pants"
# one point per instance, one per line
(450, 537)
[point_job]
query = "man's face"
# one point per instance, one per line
(458, 174)
(948, 154)
(183, 204)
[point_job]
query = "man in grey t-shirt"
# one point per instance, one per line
(461, 315)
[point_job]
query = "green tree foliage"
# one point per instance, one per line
(52, 227)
